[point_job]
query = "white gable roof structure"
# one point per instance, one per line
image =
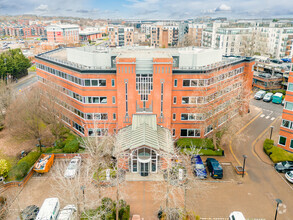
(144, 131)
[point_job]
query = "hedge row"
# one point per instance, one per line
(196, 142)
(22, 167)
(276, 154)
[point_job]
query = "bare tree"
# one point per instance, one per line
(255, 43)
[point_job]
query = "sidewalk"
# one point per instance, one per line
(254, 111)
(258, 148)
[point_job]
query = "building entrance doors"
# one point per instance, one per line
(144, 169)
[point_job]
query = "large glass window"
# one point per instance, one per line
(190, 132)
(286, 123)
(291, 144)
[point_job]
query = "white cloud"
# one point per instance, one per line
(42, 8)
(223, 7)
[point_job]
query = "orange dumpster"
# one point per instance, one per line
(44, 164)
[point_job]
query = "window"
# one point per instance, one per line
(290, 87)
(190, 132)
(208, 129)
(184, 117)
(94, 82)
(289, 106)
(175, 82)
(113, 82)
(282, 140)
(173, 132)
(185, 100)
(186, 83)
(174, 100)
(286, 123)
(113, 100)
(114, 116)
(87, 82)
(174, 116)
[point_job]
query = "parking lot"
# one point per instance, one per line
(138, 194)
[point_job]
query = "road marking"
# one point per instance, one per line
(263, 115)
(272, 118)
(257, 139)
(268, 117)
(245, 126)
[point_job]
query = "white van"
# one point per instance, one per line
(236, 216)
(259, 95)
(49, 209)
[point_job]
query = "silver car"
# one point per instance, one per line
(73, 167)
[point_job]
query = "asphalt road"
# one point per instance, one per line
(26, 82)
(262, 177)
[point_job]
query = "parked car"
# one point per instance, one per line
(215, 168)
(268, 97)
(49, 209)
(73, 167)
(199, 169)
(284, 166)
(67, 213)
(30, 212)
(259, 95)
(289, 176)
(236, 216)
(277, 98)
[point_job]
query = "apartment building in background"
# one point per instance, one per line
(185, 89)
(273, 39)
(286, 129)
(164, 36)
(63, 33)
(121, 36)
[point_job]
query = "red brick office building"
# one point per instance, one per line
(103, 88)
(148, 96)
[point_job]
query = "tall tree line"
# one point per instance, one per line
(13, 63)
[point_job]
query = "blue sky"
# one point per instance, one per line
(150, 9)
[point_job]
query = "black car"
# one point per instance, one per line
(283, 167)
(30, 212)
(215, 168)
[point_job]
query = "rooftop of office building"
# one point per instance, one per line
(103, 58)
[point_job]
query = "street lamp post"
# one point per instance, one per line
(279, 201)
(83, 188)
(272, 128)
(40, 144)
(243, 167)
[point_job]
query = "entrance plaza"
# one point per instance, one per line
(144, 147)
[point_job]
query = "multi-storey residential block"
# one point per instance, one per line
(64, 34)
(121, 36)
(164, 36)
(286, 129)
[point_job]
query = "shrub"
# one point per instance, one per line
(31, 158)
(4, 168)
(72, 146)
(21, 170)
(268, 144)
(276, 154)
(196, 142)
